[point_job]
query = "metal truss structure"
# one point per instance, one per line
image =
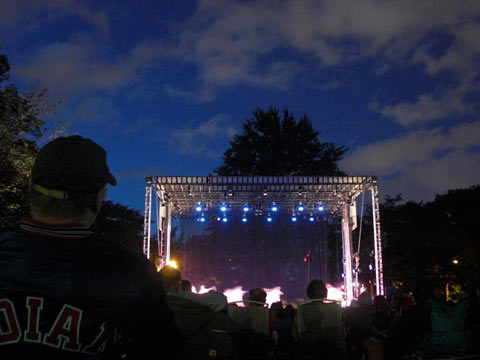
(178, 196)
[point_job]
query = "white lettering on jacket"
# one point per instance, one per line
(63, 334)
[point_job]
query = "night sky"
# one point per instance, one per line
(164, 85)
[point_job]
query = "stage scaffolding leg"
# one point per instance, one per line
(164, 219)
(147, 221)
(347, 255)
(169, 230)
(377, 241)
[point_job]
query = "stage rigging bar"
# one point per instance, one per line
(178, 196)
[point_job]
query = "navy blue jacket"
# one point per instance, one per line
(81, 298)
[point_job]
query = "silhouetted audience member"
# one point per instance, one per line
(185, 286)
(172, 279)
(318, 324)
(413, 323)
(283, 328)
(76, 290)
(361, 335)
(259, 296)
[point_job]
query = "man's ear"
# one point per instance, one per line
(102, 194)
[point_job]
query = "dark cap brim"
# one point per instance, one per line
(111, 180)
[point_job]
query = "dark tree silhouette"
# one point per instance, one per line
(273, 146)
(120, 223)
(20, 125)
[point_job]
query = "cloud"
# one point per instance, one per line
(21, 14)
(423, 162)
(82, 64)
(202, 139)
(230, 41)
(426, 108)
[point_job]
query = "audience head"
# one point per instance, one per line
(365, 299)
(68, 180)
(185, 286)
(422, 291)
(257, 294)
(317, 289)
(170, 278)
(379, 300)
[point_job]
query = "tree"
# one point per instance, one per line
(436, 240)
(20, 125)
(120, 223)
(271, 146)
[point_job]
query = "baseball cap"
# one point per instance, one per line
(71, 167)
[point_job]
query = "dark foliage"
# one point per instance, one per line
(422, 240)
(273, 146)
(20, 125)
(120, 223)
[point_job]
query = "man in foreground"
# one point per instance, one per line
(65, 293)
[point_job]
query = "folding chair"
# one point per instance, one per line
(320, 330)
(255, 341)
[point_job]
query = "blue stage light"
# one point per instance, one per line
(294, 218)
(320, 208)
(198, 208)
(223, 208)
(311, 218)
(274, 208)
(202, 218)
(224, 219)
(300, 207)
(269, 218)
(244, 219)
(246, 208)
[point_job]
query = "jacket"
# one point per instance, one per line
(64, 293)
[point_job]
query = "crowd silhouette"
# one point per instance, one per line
(423, 324)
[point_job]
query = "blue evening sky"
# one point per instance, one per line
(164, 85)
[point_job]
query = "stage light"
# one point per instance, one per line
(320, 208)
(274, 207)
(269, 218)
(300, 207)
(198, 207)
(244, 218)
(265, 193)
(294, 218)
(225, 219)
(223, 208)
(311, 218)
(246, 208)
(202, 218)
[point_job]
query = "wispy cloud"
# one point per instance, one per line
(202, 139)
(429, 160)
(426, 108)
(26, 14)
(83, 64)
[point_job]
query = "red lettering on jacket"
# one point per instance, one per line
(13, 333)
(66, 329)
(32, 333)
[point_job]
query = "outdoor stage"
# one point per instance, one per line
(222, 198)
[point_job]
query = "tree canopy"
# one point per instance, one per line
(437, 240)
(271, 145)
(120, 223)
(20, 125)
